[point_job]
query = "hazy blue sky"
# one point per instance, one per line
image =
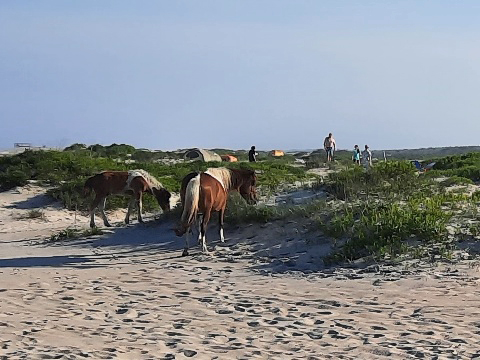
(277, 74)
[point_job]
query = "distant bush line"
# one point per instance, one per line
(65, 173)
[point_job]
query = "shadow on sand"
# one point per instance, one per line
(156, 241)
(150, 236)
(35, 202)
(45, 261)
(122, 243)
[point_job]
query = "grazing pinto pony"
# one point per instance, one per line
(132, 182)
(207, 192)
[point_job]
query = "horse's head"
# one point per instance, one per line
(163, 198)
(248, 188)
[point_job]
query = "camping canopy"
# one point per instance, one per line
(202, 155)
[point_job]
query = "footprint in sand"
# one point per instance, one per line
(224, 311)
(181, 323)
(205, 299)
(128, 313)
(344, 326)
(314, 335)
(182, 294)
(174, 333)
(189, 353)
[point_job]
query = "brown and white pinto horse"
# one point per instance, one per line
(203, 193)
(132, 182)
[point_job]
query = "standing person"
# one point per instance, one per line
(356, 155)
(330, 146)
(252, 155)
(367, 157)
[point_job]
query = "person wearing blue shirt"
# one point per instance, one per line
(356, 155)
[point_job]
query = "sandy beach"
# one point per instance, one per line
(264, 294)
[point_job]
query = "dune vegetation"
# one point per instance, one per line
(65, 172)
(389, 212)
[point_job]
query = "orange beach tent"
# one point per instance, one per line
(229, 158)
(277, 153)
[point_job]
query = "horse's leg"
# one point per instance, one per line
(131, 203)
(206, 218)
(187, 235)
(139, 206)
(220, 224)
(200, 219)
(94, 205)
(102, 211)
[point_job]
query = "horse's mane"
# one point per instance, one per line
(223, 175)
(152, 182)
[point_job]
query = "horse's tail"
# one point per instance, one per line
(88, 187)
(190, 206)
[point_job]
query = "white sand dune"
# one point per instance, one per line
(264, 294)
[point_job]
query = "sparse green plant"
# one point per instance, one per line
(378, 229)
(474, 229)
(32, 214)
(91, 232)
(73, 233)
(456, 180)
(476, 196)
(67, 233)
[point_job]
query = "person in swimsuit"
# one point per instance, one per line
(330, 146)
(356, 155)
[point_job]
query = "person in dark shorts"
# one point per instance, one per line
(252, 155)
(330, 146)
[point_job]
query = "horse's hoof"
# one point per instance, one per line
(185, 252)
(108, 225)
(92, 225)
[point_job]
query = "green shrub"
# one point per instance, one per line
(389, 179)
(379, 229)
(238, 211)
(15, 176)
(466, 166)
(456, 180)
